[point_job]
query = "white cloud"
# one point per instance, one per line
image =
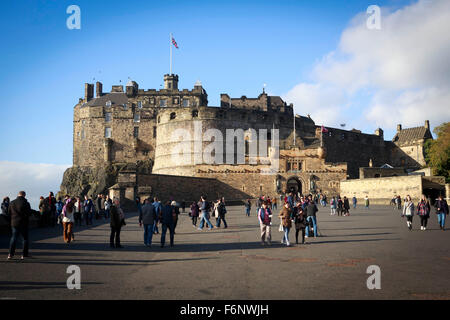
(405, 66)
(35, 179)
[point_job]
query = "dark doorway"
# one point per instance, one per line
(294, 185)
(433, 194)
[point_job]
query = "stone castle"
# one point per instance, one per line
(122, 142)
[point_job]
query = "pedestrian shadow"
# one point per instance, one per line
(359, 234)
(31, 285)
(346, 241)
(107, 262)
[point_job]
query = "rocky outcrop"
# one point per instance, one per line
(80, 181)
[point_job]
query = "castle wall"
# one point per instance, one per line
(356, 149)
(382, 190)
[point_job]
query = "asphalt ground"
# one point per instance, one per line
(232, 264)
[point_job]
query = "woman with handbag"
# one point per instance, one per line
(285, 216)
(423, 210)
(300, 222)
(408, 211)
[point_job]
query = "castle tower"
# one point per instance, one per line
(171, 81)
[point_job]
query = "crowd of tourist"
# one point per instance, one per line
(295, 211)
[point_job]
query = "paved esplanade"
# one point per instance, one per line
(231, 263)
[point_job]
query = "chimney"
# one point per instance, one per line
(399, 127)
(98, 89)
(427, 124)
(88, 91)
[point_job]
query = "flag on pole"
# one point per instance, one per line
(324, 130)
(174, 43)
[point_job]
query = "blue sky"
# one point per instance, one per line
(231, 46)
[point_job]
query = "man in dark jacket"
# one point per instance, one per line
(311, 210)
(50, 210)
(19, 210)
(167, 218)
(99, 205)
(441, 211)
(116, 224)
(147, 216)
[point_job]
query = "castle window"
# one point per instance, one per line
(137, 117)
(152, 101)
(108, 103)
(108, 132)
(175, 100)
(140, 104)
(136, 132)
(195, 114)
(173, 115)
(108, 116)
(170, 85)
(163, 103)
(159, 119)
(154, 132)
(82, 134)
(125, 106)
(145, 152)
(185, 102)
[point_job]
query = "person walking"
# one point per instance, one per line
(99, 207)
(176, 208)
(50, 210)
(366, 202)
(167, 219)
(19, 210)
(59, 208)
(42, 210)
(117, 221)
(346, 206)
(423, 210)
(340, 206)
(441, 207)
(68, 219)
(333, 206)
(158, 207)
(398, 201)
(107, 205)
(5, 213)
(408, 211)
(222, 210)
(194, 213)
(216, 210)
(77, 212)
(88, 208)
(285, 215)
(300, 222)
(205, 208)
(274, 203)
(355, 201)
(248, 207)
(311, 210)
(147, 217)
(265, 221)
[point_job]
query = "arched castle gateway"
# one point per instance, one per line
(124, 139)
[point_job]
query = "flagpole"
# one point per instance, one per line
(170, 44)
(294, 129)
